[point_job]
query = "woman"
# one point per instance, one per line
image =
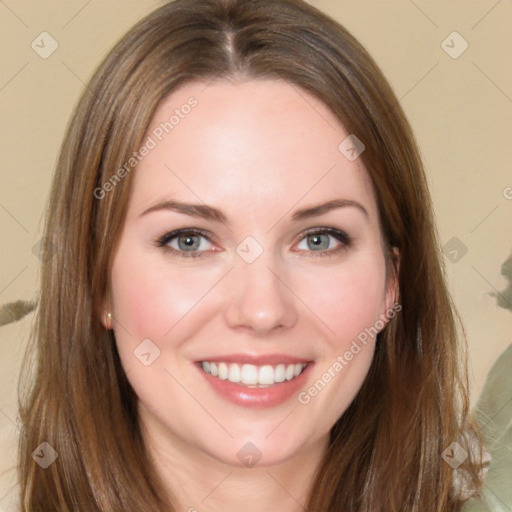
(245, 303)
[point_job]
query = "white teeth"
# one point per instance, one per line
(249, 374)
(266, 375)
(223, 371)
(280, 373)
(254, 376)
(234, 373)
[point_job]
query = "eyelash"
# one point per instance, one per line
(341, 236)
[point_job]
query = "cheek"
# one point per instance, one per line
(149, 297)
(347, 298)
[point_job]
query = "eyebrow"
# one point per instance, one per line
(206, 212)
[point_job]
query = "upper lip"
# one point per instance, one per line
(256, 360)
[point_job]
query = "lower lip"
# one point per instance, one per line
(260, 398)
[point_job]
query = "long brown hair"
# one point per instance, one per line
(385, 450)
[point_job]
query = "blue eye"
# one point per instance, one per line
(194, 243)
(186, 243)
(323, 241)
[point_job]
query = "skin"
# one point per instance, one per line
(257, 150)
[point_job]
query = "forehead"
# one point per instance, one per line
(253, 143)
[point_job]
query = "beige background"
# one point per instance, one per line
(459, 108)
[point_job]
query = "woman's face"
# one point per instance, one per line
(279, 269)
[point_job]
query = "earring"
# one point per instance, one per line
(108, 320)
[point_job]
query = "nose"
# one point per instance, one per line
(260, 301)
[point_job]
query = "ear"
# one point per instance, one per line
(393, 286)
(106, 320)
(106, 315)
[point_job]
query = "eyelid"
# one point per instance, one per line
(164, 240)
(340, 235)
(169, 235)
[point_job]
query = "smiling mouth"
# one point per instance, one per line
(253, 376)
